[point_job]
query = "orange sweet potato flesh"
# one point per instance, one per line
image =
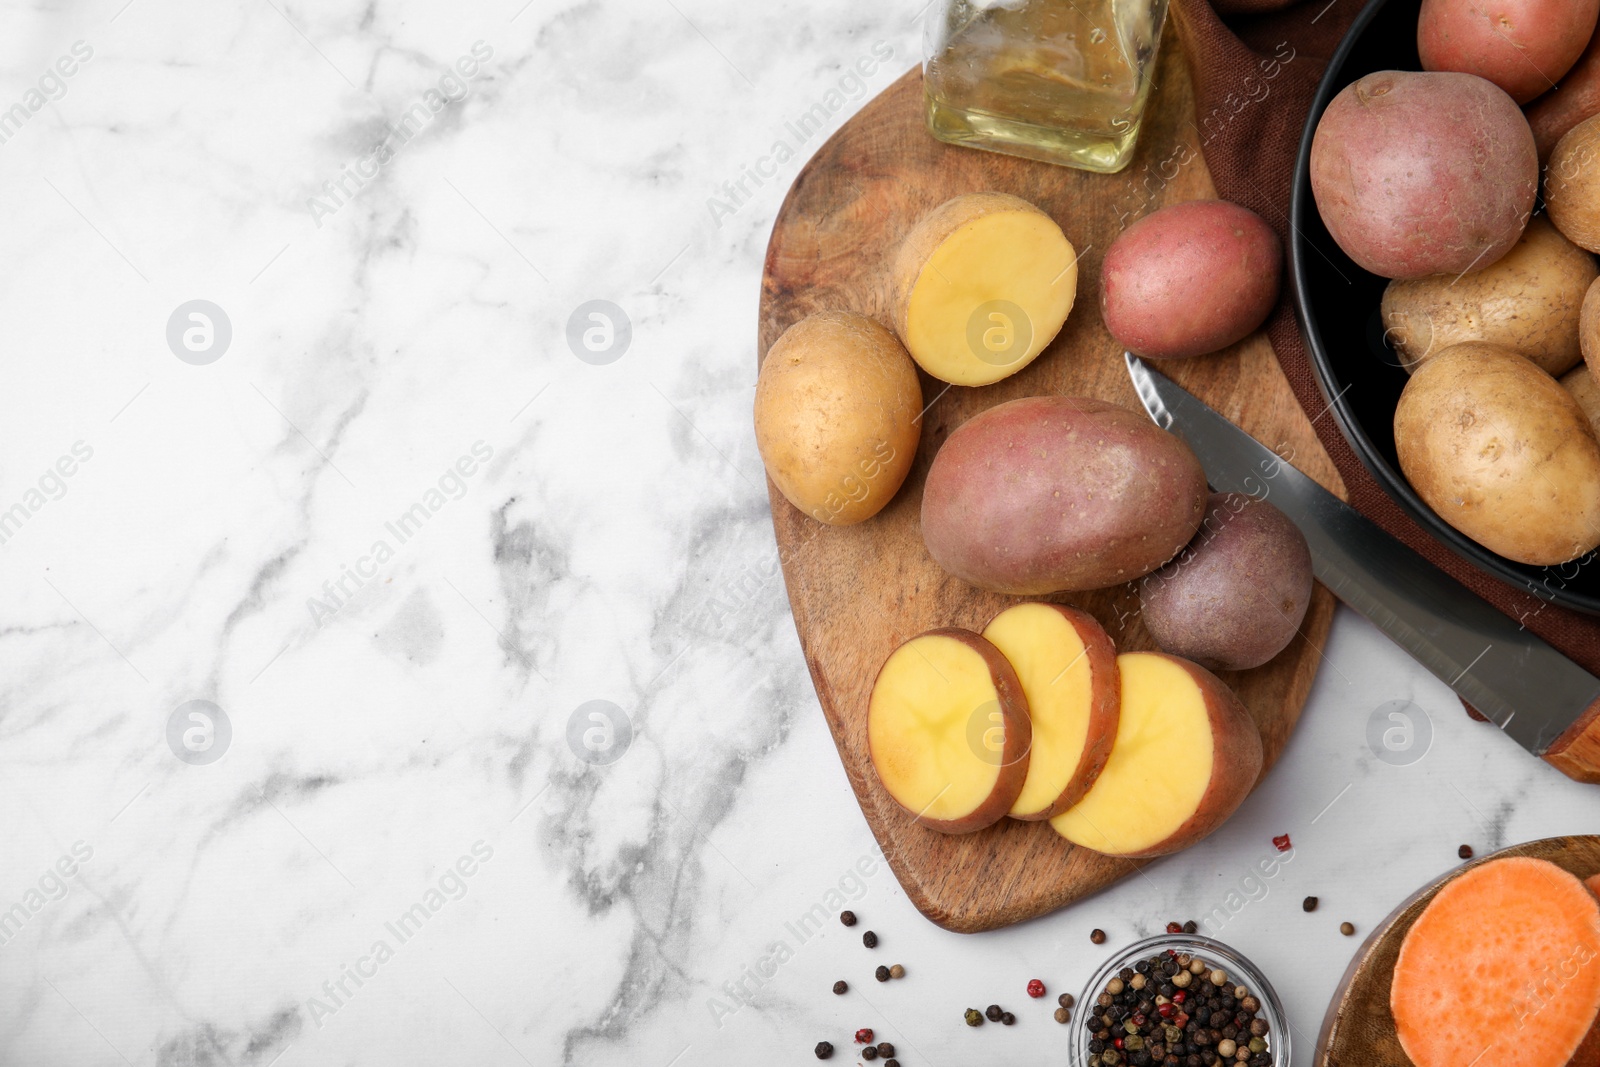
(1523, 928)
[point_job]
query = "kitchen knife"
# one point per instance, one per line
(1547, 703)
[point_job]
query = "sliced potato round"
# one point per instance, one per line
(1068, 669)
(948, 730)
(980, 286)
(1187, 754)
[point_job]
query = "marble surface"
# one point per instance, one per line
(398, 533)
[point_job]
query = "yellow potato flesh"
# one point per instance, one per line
(1020, 258)
(1159, 768)
(918, 727)
(1053, 666)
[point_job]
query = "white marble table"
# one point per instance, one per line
(398, 532)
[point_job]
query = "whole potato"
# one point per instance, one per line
(1190, 279)
(1052, 493)
(1523, 46)
(1419, 173)
(1589, 326)
(1528, 301)
(1502, 453)
(837, 406)
(1236, 595)
(1586, 391)
(1572, 184)
(1573, 100)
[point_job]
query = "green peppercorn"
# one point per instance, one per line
(1257, 1045)
(974, 1017)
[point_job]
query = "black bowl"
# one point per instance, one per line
(1338, 306)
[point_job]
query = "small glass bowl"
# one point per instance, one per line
(1240, 972)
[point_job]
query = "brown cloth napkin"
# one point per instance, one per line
(1252, 160)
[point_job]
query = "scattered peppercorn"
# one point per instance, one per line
(1035, 988)
(885, 1049)
(891, 1063)
(1174, 928)
(824, 1050)
(1007, 1018)
(897, 971)
(1063, 1015)
(1308, 904)
(1191, 927)
(993, 1012)
(864, 1036)
(1097, 936)
(869, 939)
(847, 917)
(841, 986)
(1465, 852)
(881, 974)
(1347, 929)
(1066, 1000)
(974, 1017)
(1282, 843)
(869, 1053)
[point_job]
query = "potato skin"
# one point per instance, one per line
(1236, 595)
(1586, 391)
(1190, 279)
(836, 416)
(1053, 493)
(1424, 173)
(1572, 186)
(1502, 452)
(1573, 100)
(1523, 46)
(1589, 327)
(1528, 301)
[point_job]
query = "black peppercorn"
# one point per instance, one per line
(1097, 936)
(1465, 852)
(993, 1012)
(824, 1050)
(1191, 927)
(841, 986)
(869, 939)
(1309, 904)
(881, 974)
(1007, 1018)
(847, 917)
(869, 1053)
(891, 1063)
(885, 1049)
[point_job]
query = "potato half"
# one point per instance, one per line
(837, 416)
(980, 286)
(1502, 452)
(1187, 754)
(1068, 669)
(948, 730)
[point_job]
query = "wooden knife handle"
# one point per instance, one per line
(1576, 753)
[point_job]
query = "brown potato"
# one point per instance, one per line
(1572, 184)
(1502, 453)
(1424, 173)
(1236, 595)
(1579, 381)
(1589, 326)
(1528, 301)
(1523, 46)
(837, 416)
(1190, 279)
(1052, 493)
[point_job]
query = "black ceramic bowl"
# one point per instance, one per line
(1338, 306)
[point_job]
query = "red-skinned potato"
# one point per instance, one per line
(1187, 754)
(1424, 173)
(1068, 669)
(1523, 46)
(948, 730)
(1052, 493)
(1574, 99)
(1190, 279)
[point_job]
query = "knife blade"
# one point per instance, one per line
(1543, 700)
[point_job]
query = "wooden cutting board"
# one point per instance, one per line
(1359, 1027)
(857, 592)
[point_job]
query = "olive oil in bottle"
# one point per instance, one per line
(1063, 81)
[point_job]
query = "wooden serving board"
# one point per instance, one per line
(859, 591)
(1359, 1027)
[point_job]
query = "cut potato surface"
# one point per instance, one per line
(1068, 669)
(948, 730)
(981, 285)
(1187, 754)
(1523, 928)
